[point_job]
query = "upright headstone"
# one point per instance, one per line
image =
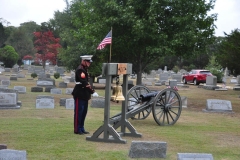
(5, 82)
(211, 83)
(218, 105)
(194, 156)
(69, 90)
(165, 69)
(56, 91)
(70, 103)
(143, 149)
(177, 77)
(7, 69)
(172, 83)
(21, 89)
(45, 102)
(10, 154)
(98, 102)
(46, 82)
(9, 99)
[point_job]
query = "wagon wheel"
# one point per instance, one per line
(134, 102)
(167, 107)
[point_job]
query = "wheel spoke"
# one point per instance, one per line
(164, 112)
(134, 97)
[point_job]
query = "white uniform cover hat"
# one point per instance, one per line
(87, 57)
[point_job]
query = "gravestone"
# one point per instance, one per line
(144, 149)
(163, 78)
(147, 82)
(237, 84)
(165, 69)
(13, 78)
(69, 90)
(4, 87)
(30, 70)
(62, 85)
(159, 71)
(184, 102)
(5, 82)
(172, 83)
(56, 91)
(177, 77)
(66, 79)
(217, 105)
(69, 103)
(45, 102)
(20, 75)
(238, 81)
(62, 102)
(98, 102)
(42, 76)
(25, 66)
(46, 82)
(9, 99)
(102, 81)
(233, 80)
(48, 88)
(3, 146)
(60, 70)
(36, 89)
(10, 154)
(211, 83)
(20, 89)
(3, 78)
(15, 70)
(7, 69)
(194, 156)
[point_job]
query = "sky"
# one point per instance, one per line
(19, 11)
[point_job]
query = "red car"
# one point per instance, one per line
(196, 76)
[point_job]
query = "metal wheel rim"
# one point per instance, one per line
(133, 101)
(167, 109)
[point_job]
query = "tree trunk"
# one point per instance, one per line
(139, 74)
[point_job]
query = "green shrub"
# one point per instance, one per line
(217, 73)
(33, 75)
(175, 69)
(56, 75)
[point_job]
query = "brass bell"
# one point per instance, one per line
(113, 97)
(119, 95)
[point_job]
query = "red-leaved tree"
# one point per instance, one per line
(27, 57)
(47, 47)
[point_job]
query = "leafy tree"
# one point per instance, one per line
(47, 47)
(215, 68)
(228, 52)
(8, 55)
(143, 31)
(29, 28)
(3, 36)
(21, 42)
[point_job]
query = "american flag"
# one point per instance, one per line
(105, 41)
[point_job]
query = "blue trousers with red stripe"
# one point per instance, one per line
(80, 112)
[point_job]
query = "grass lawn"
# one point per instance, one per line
(48, 133)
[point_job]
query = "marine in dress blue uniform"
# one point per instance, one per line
(81, 94)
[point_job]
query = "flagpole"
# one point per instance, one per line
(110, 48)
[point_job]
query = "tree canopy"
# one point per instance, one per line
(228, 51)
(47, 47)
(8, 55)
(143, 31)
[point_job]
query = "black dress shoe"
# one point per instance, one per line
(78, 133)
(85, 132)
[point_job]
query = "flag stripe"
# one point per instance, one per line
(105, 41)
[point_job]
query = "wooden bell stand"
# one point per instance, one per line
(109, 132)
